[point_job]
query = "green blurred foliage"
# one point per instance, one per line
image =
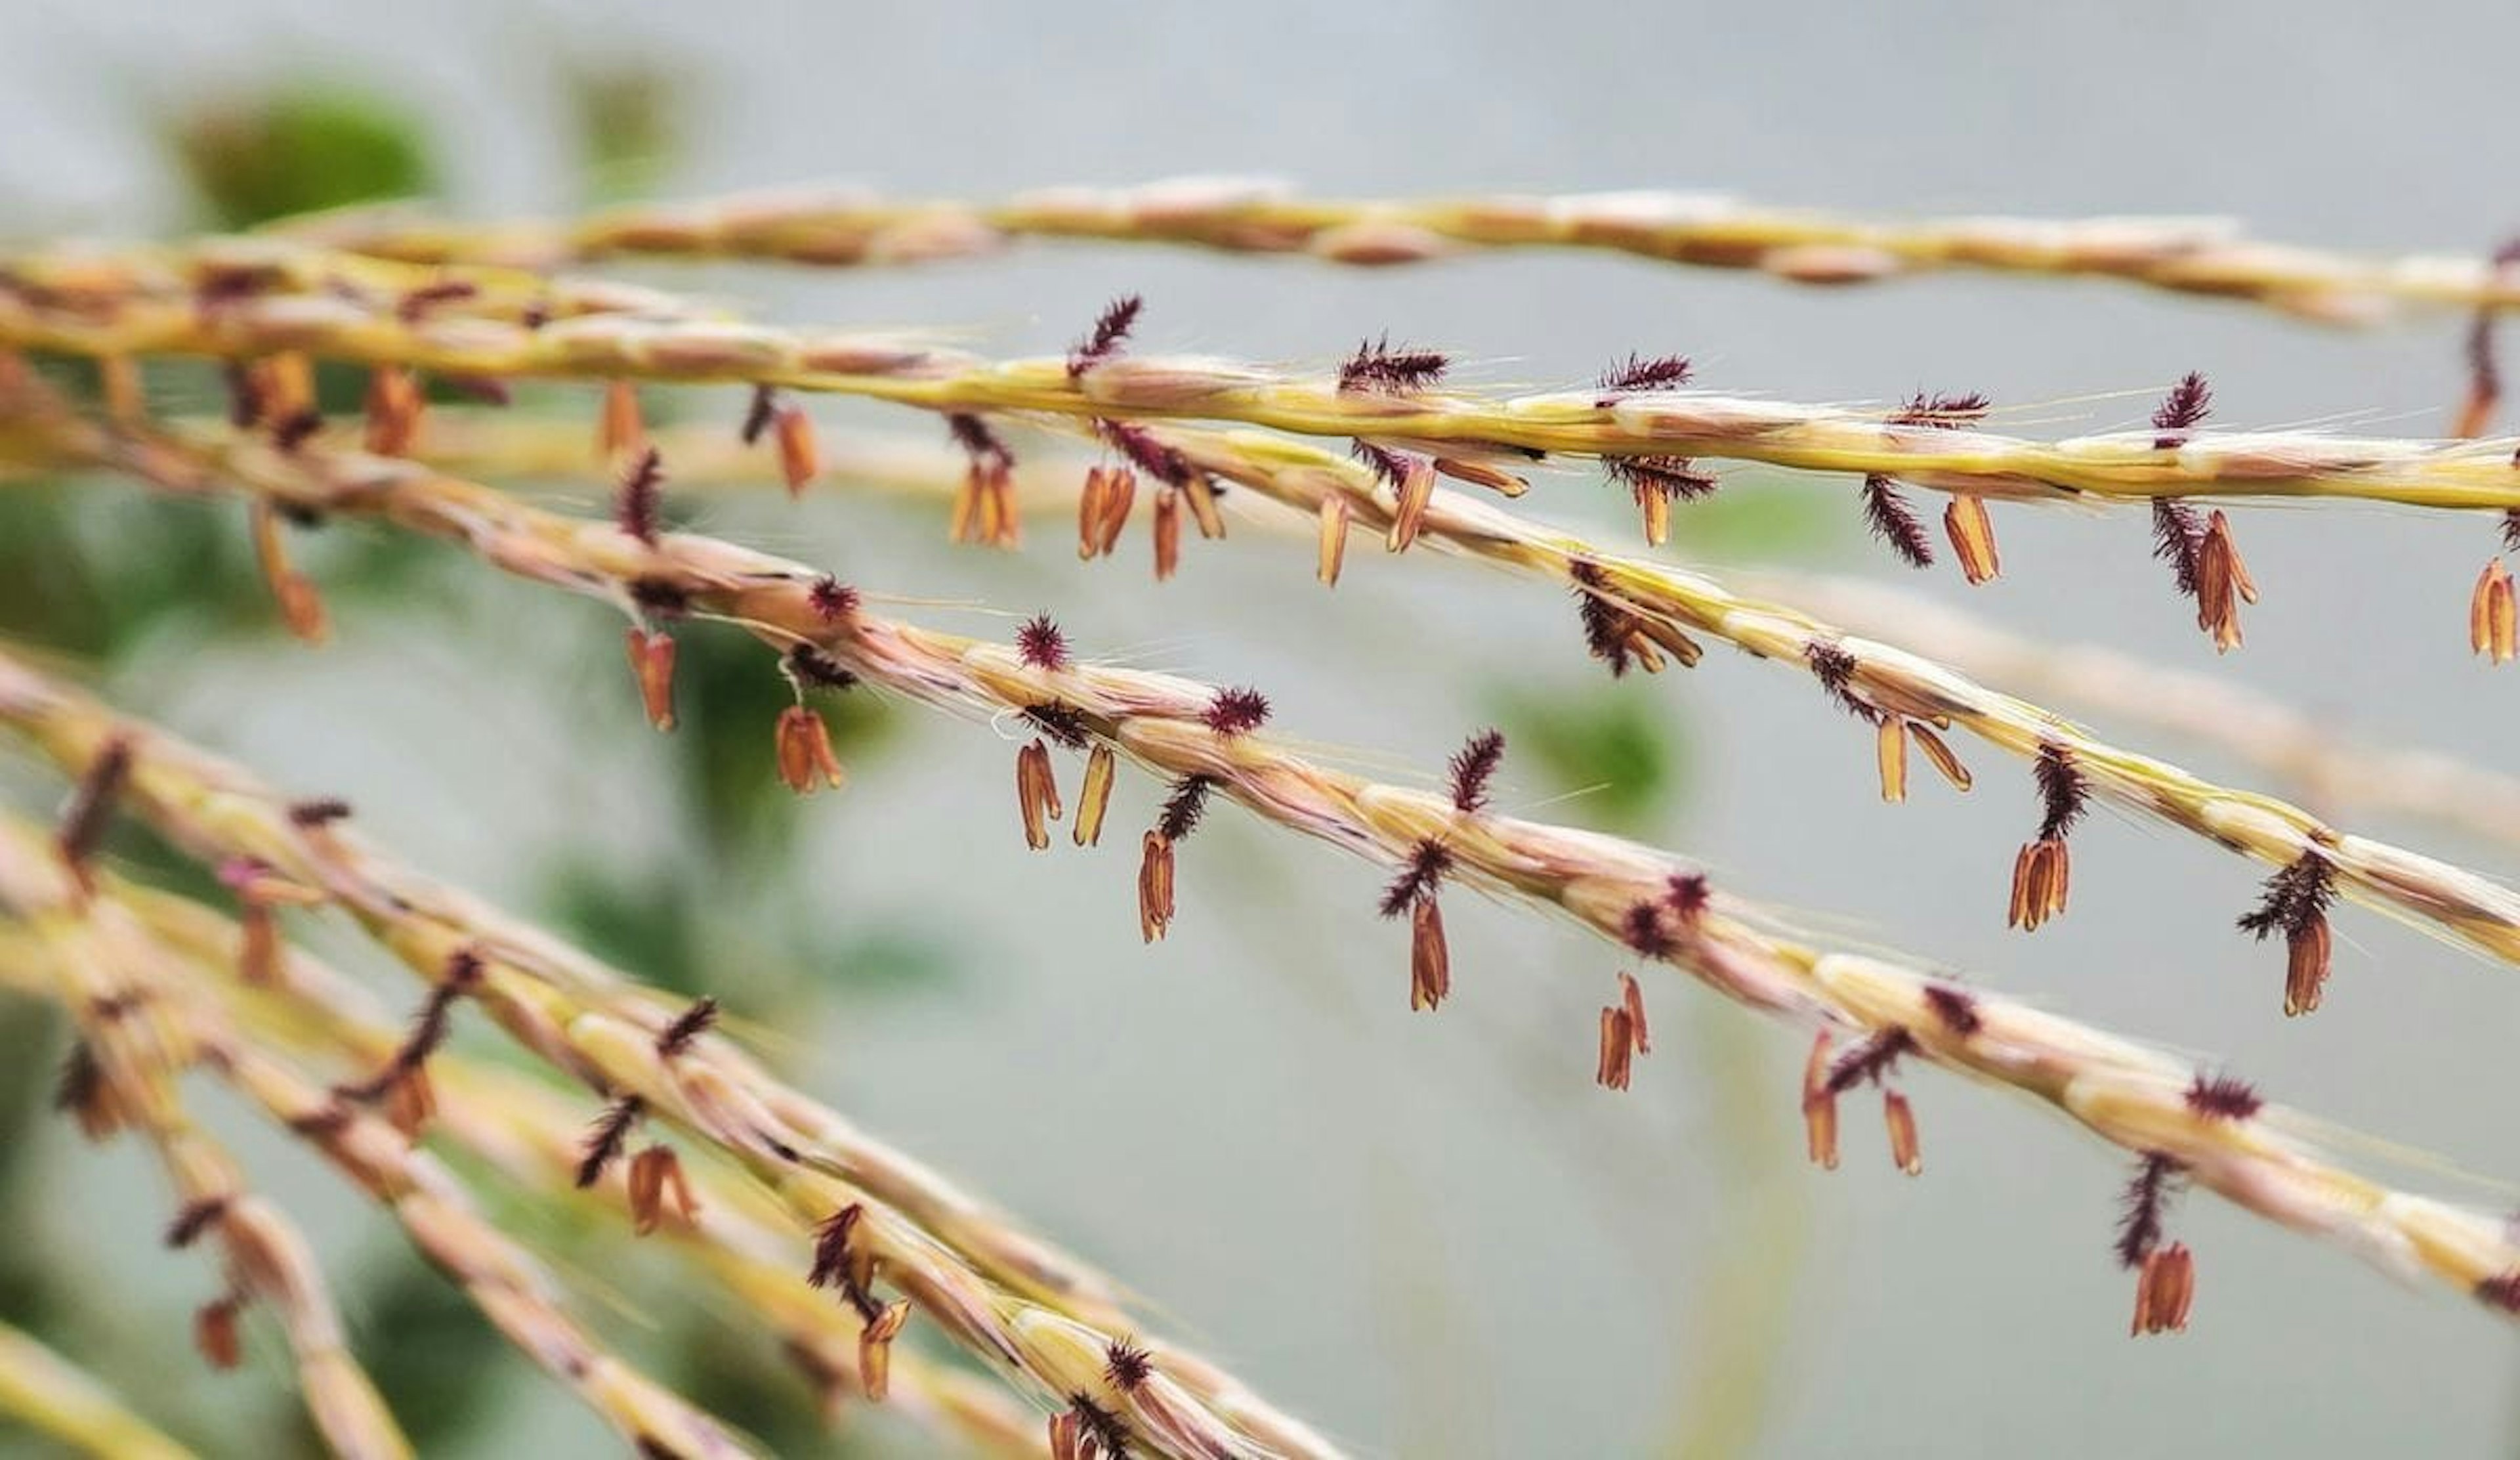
(629, 118)
(423, 1343)
(1759, 517)
(299, 147)
(1622, 748)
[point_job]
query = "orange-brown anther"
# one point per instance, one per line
(1900, 1118)
(813, 741)
(1001, 525)
(2164, 1291)
(394, 409)
(1090, 504)
(1940, 754)
(1618, 1049)
(1167, 532)
(1497, 480)
(214, 1332)
(2306, 965)
(1155, 887)
(409, 1100)
(656, 1181)
(1117, 500)
(288, 386)
(1201, 493)
(1633, 999)
(964, 526)
(1819, 1106)
(1890, 751)
(2223, 583)
(800, 460)
(1036, 794)
(1417, 488)
(874, 1349)
(126, 400)
(1094, 797)
(1656, 509)
(620, 430)
(259, 947)
(1972, 536)
(2476, 412)
(1430, 962)
(1682, 648)
(1333, 542)
(2042, 876)
(1067, 1437)
(652, 659)
(299, 604)
(2493, 625)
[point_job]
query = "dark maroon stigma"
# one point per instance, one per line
(1110, 330)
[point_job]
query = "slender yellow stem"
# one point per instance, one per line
(54, 1397)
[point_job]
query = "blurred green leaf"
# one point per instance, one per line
(298, 148)
(423, 1343)
(1764, 520)
(629, 120)
(1618, 745)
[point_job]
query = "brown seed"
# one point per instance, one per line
(1118, 501)
(2492, 623)
(1618, 1049)
(652, 659)
(657, 1182)
(1940, 754)
(1155, 887)
(1633, 999)
(1972, 536)
(1334, 541)
(874, 1350)
(800, 460)
(1094, 797)
(1417, 488)
(1201, 493)
(2306, 966)
(214, 1332)
(1900, 1118)
(2164, 1291)
(1090, 505)
(1656, 509)
(620, 430)
(1890, 751)
(1430, 962)
(1820, 1107)
(393, 410)
(1035, 792)
(1167, 532)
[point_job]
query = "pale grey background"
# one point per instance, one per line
(1434, 1236)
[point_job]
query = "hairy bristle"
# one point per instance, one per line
(317, 811)
(92, 802)
(1952, 412)
(1472, 766)
(80, 1080)
(1127, 1366)
(758, 416)
(2188, 402)
(2177, 533)
(977, 441)
(1639, 373)
(1834, 668)
(1872, 1060)
(1388, 465)
(1380, 367)
(1145, 453)
(195, 1219)
(2141, 1208)
(1239, 711)
(1040, 644)
(1184, 807)
(832, 1246)
(809, 665)
(1642, 930)
(1956, 1010)
(688, 1026)
(1675, 478)
(2296, 899)
(1607, 627)
(605, 1140)
(638, 509)
(1102, 1427)
(1110, 330)
(1890, 517)
(2511, 530)
(2064, 794)
(1428, 862)
(2223, 1098)
(1063, 724)
(659, 599)
(830, 598)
